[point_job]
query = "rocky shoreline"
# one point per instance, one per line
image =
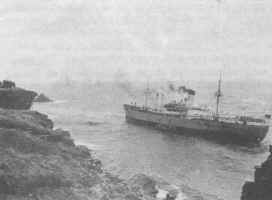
(16, 98)
(261, 187)
(41, 163)
(42, 98)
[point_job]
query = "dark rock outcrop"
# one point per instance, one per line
(16, 98)
(261, 188)
(7, 84)
(41, 98)
(40, 163)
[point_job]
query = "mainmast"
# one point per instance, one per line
(218, 95)
(220, 33)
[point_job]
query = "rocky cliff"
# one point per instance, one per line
(41, 98)
(261, 188)
(16, 98)
(40, 163)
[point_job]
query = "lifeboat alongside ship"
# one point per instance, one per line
(182, 118)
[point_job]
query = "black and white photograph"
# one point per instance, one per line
(135, 100)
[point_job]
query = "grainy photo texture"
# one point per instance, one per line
(135, 100)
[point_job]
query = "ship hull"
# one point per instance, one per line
(229, 132)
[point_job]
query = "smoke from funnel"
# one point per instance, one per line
(186, 90)
(180, 89)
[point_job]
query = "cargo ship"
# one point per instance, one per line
(185, 119)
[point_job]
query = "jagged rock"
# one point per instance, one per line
(38, 162)
(24, 142)
(261, 188)
(84, 150)
(143, 184)
(16, 98)
(33, 122)
(7, 84)
(60, 136)
(41, 98)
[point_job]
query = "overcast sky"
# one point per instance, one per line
(48, 40)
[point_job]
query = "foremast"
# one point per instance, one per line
(218, 95)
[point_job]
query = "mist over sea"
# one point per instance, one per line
(201, 168)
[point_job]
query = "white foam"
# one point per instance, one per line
(181, 196)
(161, 194)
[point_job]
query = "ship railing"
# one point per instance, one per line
(155, 110)
(228, 118)
(198, 116)
(245, 119)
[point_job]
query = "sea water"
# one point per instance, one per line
(202, 169)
